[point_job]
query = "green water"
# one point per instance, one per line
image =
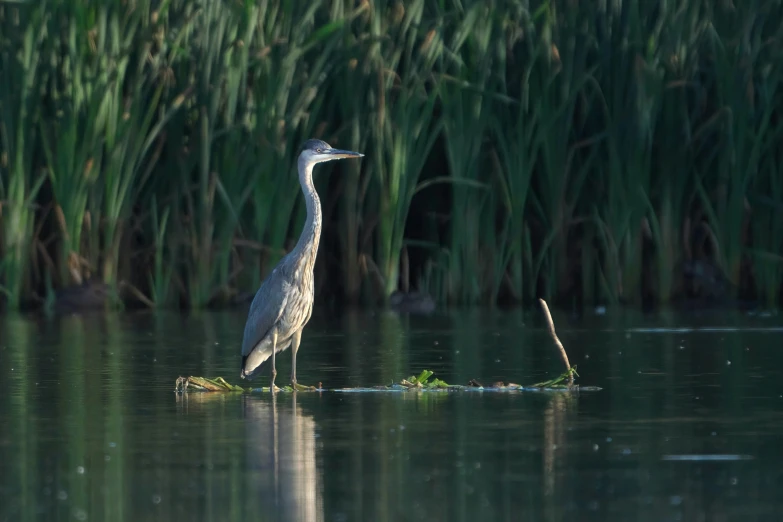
(687, 426)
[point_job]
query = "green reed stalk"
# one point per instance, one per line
(235, 164)
(678, 47)
(234, 149)
(287, 84)
(73, 143)
(401, 161)
(632, 85)
(131, 132)
(210, 47)
(351, 86)
(767, 231)
(467, 116)
(555, 90)
(278, 207)
(512, 128)
(669, 204)
(746, 80)
(212, 70)
(74, 153)
(258, 59)
(358, 85)
(166, 85)
(514, 132)
(274, 202)
(463, 152)
(401, 122)
(24, 29)
(163, 263)
(198, 108)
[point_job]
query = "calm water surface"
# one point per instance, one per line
(687, 425)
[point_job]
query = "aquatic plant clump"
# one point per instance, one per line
(219, 384)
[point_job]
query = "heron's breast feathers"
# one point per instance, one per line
(284, 302)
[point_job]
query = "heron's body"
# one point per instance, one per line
(284, 303)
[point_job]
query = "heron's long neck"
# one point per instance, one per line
(307, 246)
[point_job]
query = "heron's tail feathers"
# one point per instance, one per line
(252, 362)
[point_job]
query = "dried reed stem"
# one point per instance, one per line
(557, 341)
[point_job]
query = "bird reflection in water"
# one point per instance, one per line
(281, 465)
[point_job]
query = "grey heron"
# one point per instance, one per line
(284, 302)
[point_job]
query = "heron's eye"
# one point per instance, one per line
(318, 150)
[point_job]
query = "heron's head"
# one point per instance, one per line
(318, 151)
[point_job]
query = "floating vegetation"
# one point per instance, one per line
(205, 384)
(563, 382)
(219, 384)
(422, 382)
(558, 381)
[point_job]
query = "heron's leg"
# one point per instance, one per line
(274, 349)
(294, 348)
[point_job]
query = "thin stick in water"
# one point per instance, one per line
(556, 340)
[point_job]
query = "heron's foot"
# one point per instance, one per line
(302, 387)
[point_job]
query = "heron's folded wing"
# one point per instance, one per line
(265, 310)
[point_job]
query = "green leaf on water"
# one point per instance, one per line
(557, 382)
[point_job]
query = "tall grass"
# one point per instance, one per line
(631, 101)
(585, 152)
(746, 86)
(766, 250)
(350, 86)
(20, 67)
(73, 146)
(217, 68)
(517, 147)
(401, 123)
(467, 104)
(562, 91)
(285, 109)
(680, 124)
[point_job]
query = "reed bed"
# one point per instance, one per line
(622, 152)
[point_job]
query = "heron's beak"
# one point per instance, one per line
(340, 154)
